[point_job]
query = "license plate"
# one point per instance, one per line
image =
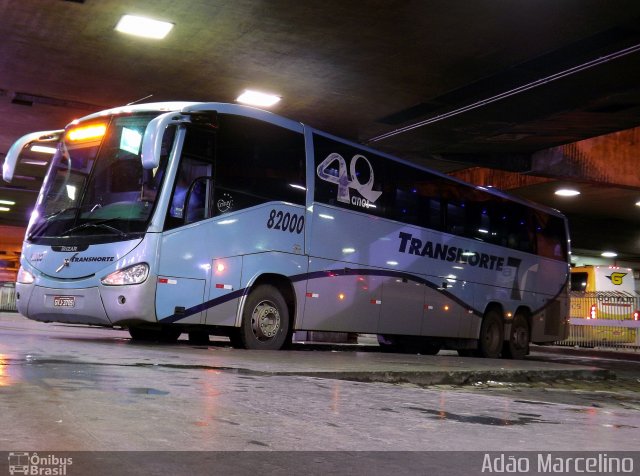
(64, 301)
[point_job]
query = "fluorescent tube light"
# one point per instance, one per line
(256, 98)
(566, 192)
(144, 27)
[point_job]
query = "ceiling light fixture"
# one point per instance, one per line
(638, 204)
(144, 27)
(256, 98)
(5, 209)
(609, 254)
(567, 192)
(7, 202)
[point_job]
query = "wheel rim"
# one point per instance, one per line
(520, 337)
(492, 341)
(265, 321)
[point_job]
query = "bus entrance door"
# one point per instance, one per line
(224, 291)
(181, 282)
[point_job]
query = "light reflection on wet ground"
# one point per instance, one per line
(79, 390)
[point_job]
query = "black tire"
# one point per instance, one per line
(265, 320)
(166, 335)
(234, 338)
(517, 347)
(491, 335)
(430, 348)
(388, 344)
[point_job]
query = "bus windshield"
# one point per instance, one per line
(96, 186)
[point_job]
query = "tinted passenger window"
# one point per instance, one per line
(363, 181)
(551, 236)
(410, 195)
(349, 177)
(257, 162)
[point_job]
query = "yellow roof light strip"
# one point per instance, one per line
(83, 133)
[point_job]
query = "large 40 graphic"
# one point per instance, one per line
(348, 179)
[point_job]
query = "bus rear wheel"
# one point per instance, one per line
(491, 335)
(517, 347)
(265, 320)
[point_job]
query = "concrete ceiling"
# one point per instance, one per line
(445, 83)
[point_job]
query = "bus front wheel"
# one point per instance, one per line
(491, 335)
(265, 320)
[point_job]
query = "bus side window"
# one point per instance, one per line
(550, 236)
(257, 162)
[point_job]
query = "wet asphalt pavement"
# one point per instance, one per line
(66, 388)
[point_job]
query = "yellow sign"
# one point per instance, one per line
(616, 278)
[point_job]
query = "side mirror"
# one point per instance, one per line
(10, 161)
(152, 139)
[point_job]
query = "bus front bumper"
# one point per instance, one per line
(101, 305)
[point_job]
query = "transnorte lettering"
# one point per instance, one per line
(415, 246)
(90, 259)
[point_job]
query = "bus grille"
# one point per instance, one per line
(8, 297)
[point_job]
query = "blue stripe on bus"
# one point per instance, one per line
(316, 275)
(330, 274)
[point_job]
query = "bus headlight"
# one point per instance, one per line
(135, 274)
(25, 277)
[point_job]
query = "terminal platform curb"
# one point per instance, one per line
(361, 362)
(367, 364)
(458, 378)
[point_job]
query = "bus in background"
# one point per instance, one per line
(604, 293)
(213, 218)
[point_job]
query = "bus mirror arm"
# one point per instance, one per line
(152, 139)
(10, 161)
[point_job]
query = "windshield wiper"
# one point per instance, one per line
(97, 224)
(59, 212)
(48, 218)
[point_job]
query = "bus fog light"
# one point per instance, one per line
(135, 274)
